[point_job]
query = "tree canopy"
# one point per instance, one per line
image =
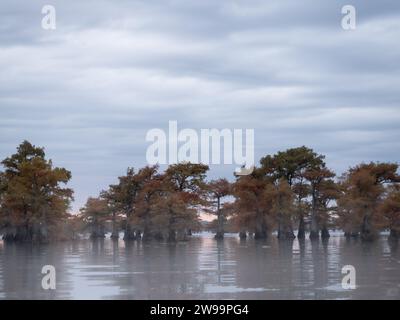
(33, 196)
(292, 189)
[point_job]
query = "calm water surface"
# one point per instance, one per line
(201, 269)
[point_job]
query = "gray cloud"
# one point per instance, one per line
(90, 90)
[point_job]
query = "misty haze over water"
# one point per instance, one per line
(202, 268)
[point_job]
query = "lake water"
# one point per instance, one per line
(201, 268)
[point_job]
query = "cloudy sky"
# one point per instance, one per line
(112, 70)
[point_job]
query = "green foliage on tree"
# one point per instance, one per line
(363, 190)
(289, 187)
(159, 205)
(95, 214)
(216, 191)
(33, 198)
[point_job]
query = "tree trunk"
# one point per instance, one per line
(24, 233)
(261, 230)
(98, 232)
(351, 234)
(40, 233)
(314, 229)
(394, 235)
(367, 234)
(301, 233)
(325, 233)
(350, 231)
(147, 234)
(285, 230)
(182, 235)
(220, 227)
(114, 234)
(9, 237)
(158, 236)
(9, 234)
(129, 232)
(314, 232)
(172, 236)
(286, 235)
(219, 236)
(260, 233)
(242, 235)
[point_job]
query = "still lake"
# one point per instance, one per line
(202, 268)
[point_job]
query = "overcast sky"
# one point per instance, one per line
(112, 70)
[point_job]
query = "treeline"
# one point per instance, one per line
(291, 191)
